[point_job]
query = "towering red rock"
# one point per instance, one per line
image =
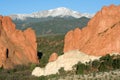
(53, 57)
(100, 36)
(16, 47)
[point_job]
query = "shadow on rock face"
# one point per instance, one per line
(39, 54)
(7, 52)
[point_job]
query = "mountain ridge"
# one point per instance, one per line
(50, 26)
(57, 12)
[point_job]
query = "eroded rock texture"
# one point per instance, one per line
(101, 35)
(16, 46)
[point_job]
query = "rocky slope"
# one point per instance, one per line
(100, 36)
(66, 61)
(16, 47)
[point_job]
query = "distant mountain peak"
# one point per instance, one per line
(62, 8)
(57, 12)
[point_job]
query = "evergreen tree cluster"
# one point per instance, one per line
(105, 63)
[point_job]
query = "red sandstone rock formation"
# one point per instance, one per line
(53, 57)
(16, 47)
(101, 35)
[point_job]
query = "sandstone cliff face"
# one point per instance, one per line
(100, 36)
(16, 47)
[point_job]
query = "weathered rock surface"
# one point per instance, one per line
(53, 57)
(67, 61)
(16, 47)
(100, 36)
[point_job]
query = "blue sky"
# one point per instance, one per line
(8, 7)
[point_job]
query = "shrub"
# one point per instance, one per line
(116, 63)
(43, 78)
(56, 76)
(107, 60)
(62, 72)
(80, 67)
(102, 67)
(1, 68)
(32, 66)
(21, 67)
(95, 63)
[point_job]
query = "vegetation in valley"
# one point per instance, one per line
(49, 26)
(49, 44)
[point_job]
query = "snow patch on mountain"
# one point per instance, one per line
(58, 12)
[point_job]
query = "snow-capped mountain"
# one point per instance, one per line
(58, 12)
